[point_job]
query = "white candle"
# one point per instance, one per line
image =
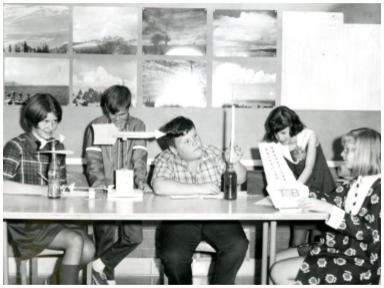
(232, 132)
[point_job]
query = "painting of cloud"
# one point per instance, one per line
(26, 76)
(246, 83)
(105, 30)
(36, 29)
(92, 75)
(244, 33)
(178, 83)
(174, 31)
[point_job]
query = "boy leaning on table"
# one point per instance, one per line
(101, 162)
(189, 167)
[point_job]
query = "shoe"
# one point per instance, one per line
(99, 278)
(110, 275)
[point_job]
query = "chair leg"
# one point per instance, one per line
(88, 273)
(23, 272)
(88, 269)
(33, 270)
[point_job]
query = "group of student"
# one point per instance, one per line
(345, 250)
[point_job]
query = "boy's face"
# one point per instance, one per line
(120, 118)
(188, 146)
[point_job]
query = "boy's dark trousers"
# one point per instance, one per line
(178, 241)
(111, 250)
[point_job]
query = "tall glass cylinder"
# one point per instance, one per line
(53, 177)
(230, 183)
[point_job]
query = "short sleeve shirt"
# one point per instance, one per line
(170, 166)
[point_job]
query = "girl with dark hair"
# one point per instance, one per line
(349, 251)
(23, 163)
(304, 155)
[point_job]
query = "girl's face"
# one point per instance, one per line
(45, 128)
(348, 154)
(283, 136)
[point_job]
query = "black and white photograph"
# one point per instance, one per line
(24, 77)
(35, 28)
(92, 75)
(200, 143)
(105, 30)
(244, 84)
(174, 31)
(176, 83)
(245, 33)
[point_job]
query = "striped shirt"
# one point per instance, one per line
(23, 162)
(170, 166)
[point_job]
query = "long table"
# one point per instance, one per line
(28, 202)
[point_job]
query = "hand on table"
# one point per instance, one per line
(310, 204)
(144, 187)
(209, 188)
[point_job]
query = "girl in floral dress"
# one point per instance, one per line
(349, 252)
(304, 155)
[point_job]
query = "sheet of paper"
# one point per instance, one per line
(275, 167)
(196, 196)
(107, 134)
(264, 202)
(283, 188)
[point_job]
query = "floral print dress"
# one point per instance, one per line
(349, 254)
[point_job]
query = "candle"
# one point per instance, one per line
(232, 132)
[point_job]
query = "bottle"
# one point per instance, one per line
(53, 176)
(230, 183)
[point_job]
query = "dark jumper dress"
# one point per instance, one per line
(22, 163)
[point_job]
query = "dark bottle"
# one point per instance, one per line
(230, 183)
(53, 176)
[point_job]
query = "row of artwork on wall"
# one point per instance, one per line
(93, 47)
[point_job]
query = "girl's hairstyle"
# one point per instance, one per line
(177, 127)
(366, 143)
(115, 98)
(280, 118)
(37, 108)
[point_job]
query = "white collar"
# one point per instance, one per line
(43, 142)
(358, 192)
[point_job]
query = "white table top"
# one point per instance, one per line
(151, 207)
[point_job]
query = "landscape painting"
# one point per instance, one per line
(93, 74)
(246, 84)
(24, 77)
(105, 30)
(178, 83)
(174, 31)
(245, 33)
(35, 29)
